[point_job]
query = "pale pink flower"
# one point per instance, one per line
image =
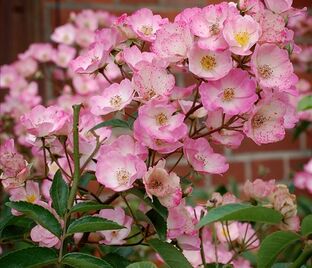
(208, 26)
(133, 55)
(152, 81)
(111, 37)
(85, 85)
(186, 106)
(278, 6)
(26, 67)
(235, 93)
(159, 119)
(259, 189)
(173, 41)
(266, 123)
(118, 172)
(87, 19)
(272, 67)
(44, 237)
(208, 64)
(189, 242)
(29, 194)
(180, 222)
(125, 144)
(166, 186)
(92, 60)
(116, 237)
(64, 34)
(308, 166)
(186, 15)
(63, 55)
(247, 233)
(160, 145)
(8, 75)
(226, 137)
(41, 121)
(201, 156)
(41, 51)
(114, 98)
(145, 24)
(84, 37)
(227, 233)
(241, 33)
(251, 7)
(45, 189)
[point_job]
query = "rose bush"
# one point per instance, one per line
(95, 177)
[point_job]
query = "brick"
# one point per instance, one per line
(235, 172)
(297, 164)
(267, 169)
(138, 2)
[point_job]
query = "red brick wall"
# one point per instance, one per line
(249, 161)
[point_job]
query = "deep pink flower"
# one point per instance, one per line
(166, 186)
(201, 156)
(114, 98)
(235, 93)
(159, 119)
(272, 67)
(118, 172)
(173, 41)
(208, 64)
(116, 237)
(41, 121)
(152, 81)
(145, 24)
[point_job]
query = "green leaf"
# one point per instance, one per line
(39, 214)
(306, 225)
(88, 206)
(305, 103)
(241, 212)
(29, 257)
(161, 210)
(111, 123)
(170, 254)
(86, 178)
(273, 245)
(300, 127)
(142, 264)
(59, 193)
(159, 223)
(82, 260)
(91, 224)
(117, 261)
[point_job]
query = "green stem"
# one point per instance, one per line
(76, 176)
(303, 257)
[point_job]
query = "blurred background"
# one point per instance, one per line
(23, 22)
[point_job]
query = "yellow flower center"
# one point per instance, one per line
(31, 198)
(208, 62)
(214, 29)
(242, 38)
(265, 71)
(161, 119)
(147, 30)
(228, 94)
(258, 120)
(116, 101)
(123, 176)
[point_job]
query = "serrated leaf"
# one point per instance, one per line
(142, 264)
(273, 245)
(59, 192)
(88, 206)
(159, 223)
(39, 214)
(305, 103)
(241, 212)
(306, 225)
(112, 123)
(170, 254)
(29, 258)
(91, 224)
(82, 260)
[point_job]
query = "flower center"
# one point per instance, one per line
(147, 30)
(95, 59)
(123, 176)
(214, 29)
(161, 119)
(228, 94)
(150, 93)
(265, 71)
(208, 62)
(242, 38)
(115, 101)
(201, 158)
(159, 142)
(155, 184)
(258, 120)
(31, 198)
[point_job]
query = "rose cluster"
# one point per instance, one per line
(137, 124)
